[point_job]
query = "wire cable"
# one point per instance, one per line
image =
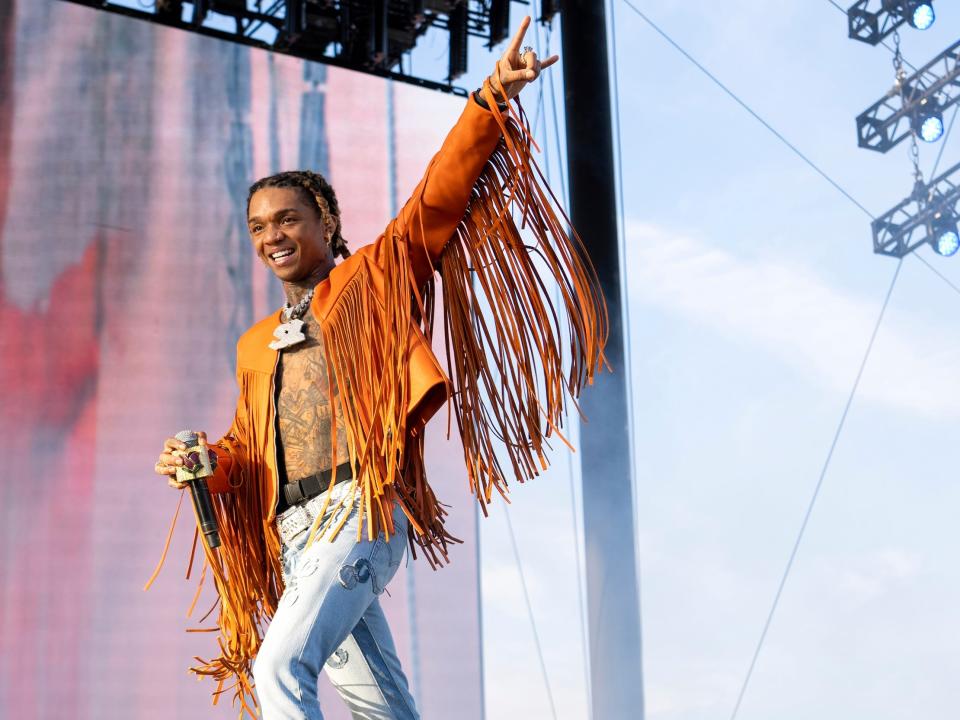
(937, 272)
(773, 130)
(746, 107)
(856, 383)
(943, 144)
(513, 542)
(533, 624)
(816, 491)
(625, 304)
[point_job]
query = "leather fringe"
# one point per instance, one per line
(245, 568)
(503, 334)
(386, 454)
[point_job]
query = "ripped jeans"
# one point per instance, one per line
(329, 618)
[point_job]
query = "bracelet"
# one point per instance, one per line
(477, 95)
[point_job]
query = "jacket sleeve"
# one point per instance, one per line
(431, 214)
(231, 453)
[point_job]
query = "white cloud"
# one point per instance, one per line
(793, 314)
(879, 572)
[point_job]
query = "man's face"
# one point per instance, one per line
(288, 233)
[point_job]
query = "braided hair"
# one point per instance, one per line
(320, 196)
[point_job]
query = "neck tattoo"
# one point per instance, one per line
(290, 332)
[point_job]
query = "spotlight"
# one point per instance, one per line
(925, 218)
(919, 14)
(927, 120)
(873, 25)
(943, 235)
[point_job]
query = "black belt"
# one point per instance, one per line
(309, 487)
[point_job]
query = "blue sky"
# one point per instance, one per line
(753, 293)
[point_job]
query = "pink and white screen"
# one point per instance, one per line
(126, 277)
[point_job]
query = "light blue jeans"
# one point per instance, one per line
(329, 617)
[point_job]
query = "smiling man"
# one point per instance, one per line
(321, 477)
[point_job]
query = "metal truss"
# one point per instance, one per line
(887, 121)
(906, 227)
(872, 26)
(370, 36)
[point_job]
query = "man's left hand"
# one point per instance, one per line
(516, 70)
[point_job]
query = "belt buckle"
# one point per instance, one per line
(293, 522)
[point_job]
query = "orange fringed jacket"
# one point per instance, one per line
(506, 378)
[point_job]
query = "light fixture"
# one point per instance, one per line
(871, 24)
(925, 217)
(919, 14)
(927, 120)
(929, 92)
(943, 233)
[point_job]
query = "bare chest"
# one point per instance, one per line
(308, 432)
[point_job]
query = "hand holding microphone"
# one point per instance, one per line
(187, 462)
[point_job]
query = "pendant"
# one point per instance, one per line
(287, 334)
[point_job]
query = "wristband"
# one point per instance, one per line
(502, 107)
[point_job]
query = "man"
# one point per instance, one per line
(323, 465)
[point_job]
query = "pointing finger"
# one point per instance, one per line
(517, 39)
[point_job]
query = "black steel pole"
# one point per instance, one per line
(613, 606)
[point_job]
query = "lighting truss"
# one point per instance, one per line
(370, 36)
(873, 25)
(906, 227)
(887, 121)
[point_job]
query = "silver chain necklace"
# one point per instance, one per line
(291, 332)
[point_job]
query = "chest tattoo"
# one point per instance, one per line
(304, 412)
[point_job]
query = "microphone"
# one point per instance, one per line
(196, 467)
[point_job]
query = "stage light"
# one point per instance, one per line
(916, 104)
(870, 21)
(927, 216)
(943, 233)
(920, 14)
(927, 120)
(931, 128)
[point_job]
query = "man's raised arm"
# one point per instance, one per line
(430, 216)
(439, 201)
